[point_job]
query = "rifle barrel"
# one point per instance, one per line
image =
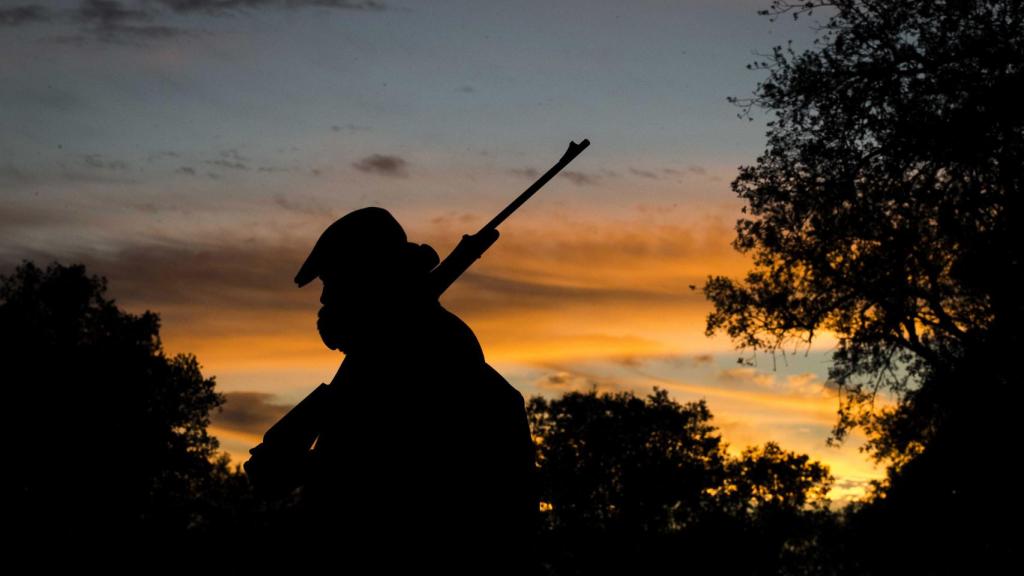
(570, 154)
(472, 247)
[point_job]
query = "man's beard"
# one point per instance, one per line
(347, 327)
(328, 326)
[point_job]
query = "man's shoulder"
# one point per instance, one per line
(450, 333)
(497, 384)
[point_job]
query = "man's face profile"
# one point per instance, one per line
(351, 311)
(335, 321)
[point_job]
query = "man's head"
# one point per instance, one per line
(371, 274)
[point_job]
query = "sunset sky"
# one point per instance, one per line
(192, 151)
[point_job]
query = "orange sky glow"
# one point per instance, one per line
(195, 170)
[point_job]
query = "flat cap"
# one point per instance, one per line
(362, 238)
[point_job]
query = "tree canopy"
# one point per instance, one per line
(885, 210)
(624, 463)
(646, 485)
(885, 206)
(111, 431)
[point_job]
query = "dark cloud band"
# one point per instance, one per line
(383, 164)
(249, 412)
(138, 20)
(24, 14)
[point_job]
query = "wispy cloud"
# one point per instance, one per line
(350, 127)
(100, 162)
(692, 169)
(218, 7)
(576, 177)
(561, 381)
(15, 215)
(581, 178)
(539, 294)
(532, 173)
(643, 173)
(383, 164)
(674, 360)
(115, 21)
(143, 21)
(746, 376)
(304, 204)
(568, 290)
(229, 159)
(249, 412)
(23, 14)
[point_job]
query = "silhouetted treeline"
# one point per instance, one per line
(885, 211)
(111, 449)
(107, 435)
(645, 485)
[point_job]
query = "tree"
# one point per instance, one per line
(109, 434)
(780, 501)
(623, 464)
(766, 479)
(645, 485)
(885, 205)
(885, 211)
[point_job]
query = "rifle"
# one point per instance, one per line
(472, 247)
(277, 464)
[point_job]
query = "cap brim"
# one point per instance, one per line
(308, 272)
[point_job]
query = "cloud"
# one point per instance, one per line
(643, 173)
(12, 174)
(205, 278)
(115, 21)
(218, 7)
(99, 162)
(350, 127)
(531, 173)
(304, 205)
(693, 169)
(561, 381)
(110, 12)
(674, 360)
(249, 412)
(581, 178)
(23, 216)
(230, 159)
(558, 291)
(746, 375)
(807, 384)
(804, 385)
(383, 164)
(535, 294)
(23, 14)
(86, 169)
(631, 361)
(453, 218)
(576, 177)
(141, 21)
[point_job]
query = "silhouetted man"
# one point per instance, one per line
(426, 459)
